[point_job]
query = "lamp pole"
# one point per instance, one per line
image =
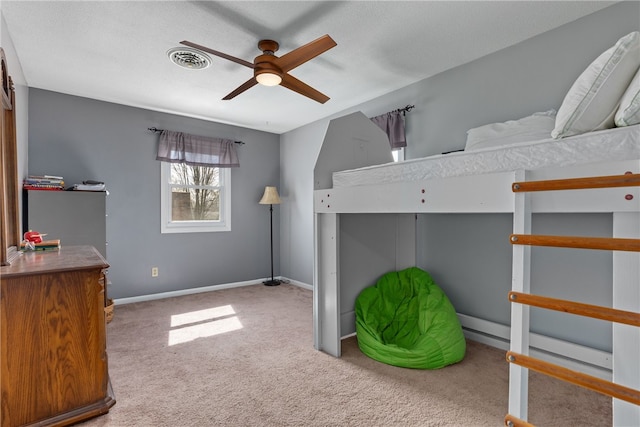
(271, 282)
(270, 198)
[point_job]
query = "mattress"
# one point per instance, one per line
(607, 145)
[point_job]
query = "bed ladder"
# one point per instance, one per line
(522, 240)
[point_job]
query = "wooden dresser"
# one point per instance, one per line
(53, 358)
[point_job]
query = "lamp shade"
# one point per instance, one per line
(270, 196)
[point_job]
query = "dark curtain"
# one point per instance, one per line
(393, 125)
(194, 150)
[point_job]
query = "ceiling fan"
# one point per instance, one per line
(270, 70)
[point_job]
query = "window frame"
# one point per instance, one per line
(208, 226)
(398, 155)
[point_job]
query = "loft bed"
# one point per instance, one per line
(354, 175)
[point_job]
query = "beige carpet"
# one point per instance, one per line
(245, 357)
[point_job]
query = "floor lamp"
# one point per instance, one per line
(270, 197)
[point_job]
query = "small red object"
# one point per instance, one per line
(33, 236)
(629, 197)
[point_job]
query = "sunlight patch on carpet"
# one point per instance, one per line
(202, 324)
(201, 315)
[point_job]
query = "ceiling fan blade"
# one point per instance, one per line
(296, 85)
(216, 53)
(244, 86)
(304, 53)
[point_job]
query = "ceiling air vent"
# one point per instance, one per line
(191, 59)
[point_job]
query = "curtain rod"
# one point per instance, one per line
(404, 110)
(155, 130)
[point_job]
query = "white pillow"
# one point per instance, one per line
(592, 101)
(628, 113)
(531, 128)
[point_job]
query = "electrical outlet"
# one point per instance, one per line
(154, 271)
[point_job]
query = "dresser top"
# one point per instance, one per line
(64, 259)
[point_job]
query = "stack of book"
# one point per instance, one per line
(45, 245)
(46, 182)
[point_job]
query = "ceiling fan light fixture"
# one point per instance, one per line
(271, 70)
(269, 79)
(188, 58)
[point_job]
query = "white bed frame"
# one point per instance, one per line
(489, 193)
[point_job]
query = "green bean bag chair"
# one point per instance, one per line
(406, 320)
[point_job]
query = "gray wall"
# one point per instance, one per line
(531, 76)
(80, 138)
(469, 256)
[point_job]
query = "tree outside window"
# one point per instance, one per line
(195, 193)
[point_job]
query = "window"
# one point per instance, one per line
(195, 178)
(195, 198)
(398, 155)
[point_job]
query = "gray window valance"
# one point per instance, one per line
(194, 150)
(393, 125)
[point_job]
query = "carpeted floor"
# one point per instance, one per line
(245, 357)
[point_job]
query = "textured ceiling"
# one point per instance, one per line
(116, 51)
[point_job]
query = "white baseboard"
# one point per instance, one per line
(573, 356)
(191, 291)
(297, 283)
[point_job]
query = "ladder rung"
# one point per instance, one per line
(511, 421)
(626, 180)
(581, 309)
(578, 378)
(605, 243)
